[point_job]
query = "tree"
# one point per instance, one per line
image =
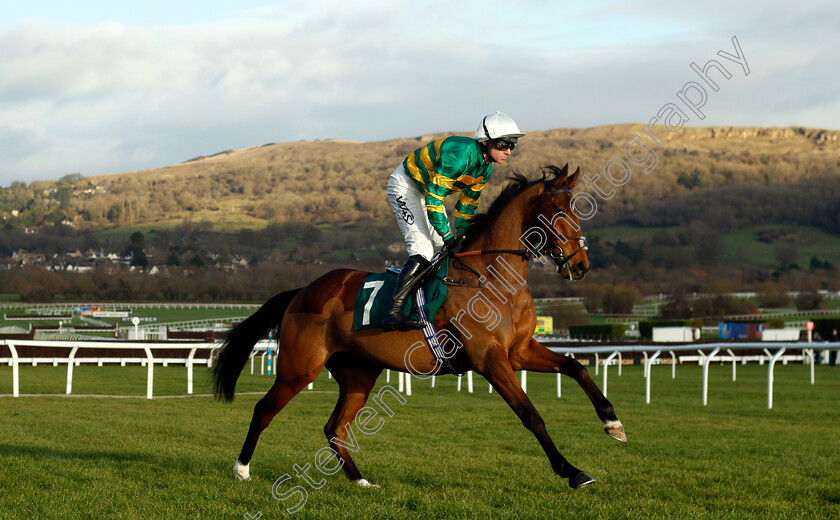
(135, 248)
(786, 255)
(709, 250)
(678, 306)
(620, 299)
(809, 301)
(137, 240)
(139, 259)
(773, 295)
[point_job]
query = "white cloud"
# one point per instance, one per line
(110, 96)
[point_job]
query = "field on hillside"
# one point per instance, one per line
(743, 247)
(443, 454)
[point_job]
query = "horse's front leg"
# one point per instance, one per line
(535, 357)
(498, 371)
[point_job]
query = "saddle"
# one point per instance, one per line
(376, 294)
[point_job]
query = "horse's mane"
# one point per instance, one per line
(518, 183)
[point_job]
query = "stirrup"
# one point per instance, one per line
(396, 320)
(407, 280)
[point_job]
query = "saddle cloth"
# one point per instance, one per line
(376, 294)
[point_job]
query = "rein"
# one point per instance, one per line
(478, 252)
(547, 250)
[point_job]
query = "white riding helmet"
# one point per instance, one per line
(497, 126)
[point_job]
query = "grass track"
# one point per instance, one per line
(442, 455)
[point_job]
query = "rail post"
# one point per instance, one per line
(648, 363)
(706, 361)
(772, 365)
(190, 371)
(150, 372)
(71, 360)
(673, 364)
(15, 371)
(729, 351)
(606, 364)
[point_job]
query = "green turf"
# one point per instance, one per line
(442, 455)
(166, 313)
(742, 247)
(221, 222)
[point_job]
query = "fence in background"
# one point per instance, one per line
(605, 356)
(74, 347)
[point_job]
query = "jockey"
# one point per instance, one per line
(418, 186)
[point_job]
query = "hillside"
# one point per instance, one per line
(725, 209)
(329, 182)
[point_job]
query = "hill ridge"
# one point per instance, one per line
(331, 181)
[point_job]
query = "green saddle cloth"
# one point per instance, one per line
(377, 292)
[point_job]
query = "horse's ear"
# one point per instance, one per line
(573, 179)
(560, 177)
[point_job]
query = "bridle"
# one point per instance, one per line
(550, 249)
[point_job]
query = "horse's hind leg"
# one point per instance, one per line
(264, 411)
(537, 358)
(355, 380)
(499, 372)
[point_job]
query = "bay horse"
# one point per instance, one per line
(315, 326)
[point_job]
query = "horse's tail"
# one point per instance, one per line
(239, 341)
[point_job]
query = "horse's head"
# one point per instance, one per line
(566, 245)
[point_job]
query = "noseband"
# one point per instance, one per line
(554, 251)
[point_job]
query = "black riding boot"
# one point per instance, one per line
(407, 279)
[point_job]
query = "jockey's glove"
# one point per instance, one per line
(453, 244)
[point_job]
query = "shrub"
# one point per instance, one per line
(610, 331)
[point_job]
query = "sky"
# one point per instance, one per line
(95, 87)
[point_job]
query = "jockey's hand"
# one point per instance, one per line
(453, 244)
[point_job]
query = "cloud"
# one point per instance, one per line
(109, 97)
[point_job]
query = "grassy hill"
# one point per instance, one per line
(735, 207)
(321, 182)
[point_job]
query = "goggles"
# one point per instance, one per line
(501, 144)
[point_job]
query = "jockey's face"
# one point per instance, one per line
(495, 155)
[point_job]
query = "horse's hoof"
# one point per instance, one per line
(364, 483)
(580, 480)
(615, 430)
(241, 471)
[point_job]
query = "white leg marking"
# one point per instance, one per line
(364, 483)
(612, 424)
(241, 471)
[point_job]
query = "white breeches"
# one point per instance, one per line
(409, 206)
